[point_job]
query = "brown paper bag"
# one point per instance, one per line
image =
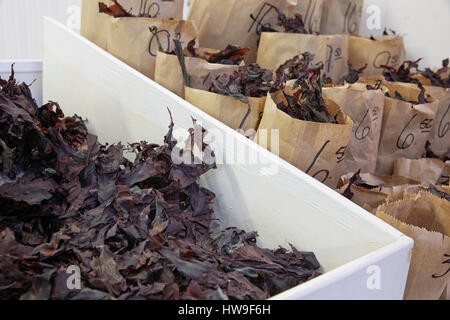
(440, 133)
(388, 187)
(396, 193)
(315, 148)
(445, 177)
(425, 219)
(224, 22)
(427, 260)
(427, 171)
(168, 72)
(384, 50)
(342, 16)
(406, 127)
(364, 197)
(160, 9)
(227, 109)
(365, 107)
(275, 48)
(131, 41)
(94, 25)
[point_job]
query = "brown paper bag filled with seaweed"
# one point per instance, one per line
(341, 17)
(240, 22)
(440, 133)
(203, 65)
(313, 132)
(371, 190)
(407, 121)
(94, 24)
(237, 99)
(387, 50)
(425, 219)
(137, 40)
(277, 47)
(437, 84)
(365, 108)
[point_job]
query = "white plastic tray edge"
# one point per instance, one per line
(329, 278)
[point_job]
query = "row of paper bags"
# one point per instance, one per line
(217, 23)
(409, 206)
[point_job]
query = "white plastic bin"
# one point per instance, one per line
(363, 258)
(28, 71)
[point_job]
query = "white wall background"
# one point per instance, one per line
(20, 25)
(424, 23)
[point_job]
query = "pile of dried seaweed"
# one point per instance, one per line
(352, 76)
(307, 102)
(231, 55)
(292, 69)
(421, 98)
(292, 24)
(403, 73)
(247, 81)
(136, 230)
(356, 180)
(440, 78)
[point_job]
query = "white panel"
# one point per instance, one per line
(288, 206)
(21, 25)
(425, 25)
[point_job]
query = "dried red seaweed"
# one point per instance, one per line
(352, 76)
(116, 10)
(403, 73)
(231, 55)
(247, 81)
(294, 24)
(307, 103)
(356, 180)
(440, 78)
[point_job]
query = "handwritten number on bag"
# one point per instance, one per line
(326, 172)
(333, 55)
(435, 276)
(145, 10)
(340, 154)
(385, 58)
(409, 138)
(444, 128)
(266, 8)
(365, 131)
(162, 35)
(309, 22)
(259, 19)
(426, 125)
(349, 26)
